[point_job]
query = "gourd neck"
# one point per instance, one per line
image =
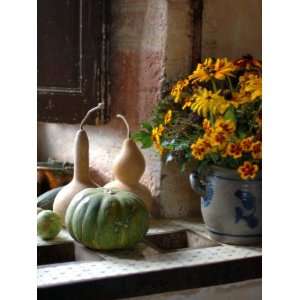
(126, 124)
(81, 156)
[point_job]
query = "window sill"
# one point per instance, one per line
(150, 269)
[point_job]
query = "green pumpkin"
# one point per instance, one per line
(107, 219)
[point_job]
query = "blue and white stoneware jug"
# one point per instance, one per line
(231, 207)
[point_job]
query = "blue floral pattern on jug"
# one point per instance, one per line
(208, 195)
(247, 211)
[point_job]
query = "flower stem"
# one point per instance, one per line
(214, 86)
(230, 83)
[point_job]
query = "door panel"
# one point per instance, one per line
(72, 51)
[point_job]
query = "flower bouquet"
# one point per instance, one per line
(212, 119)
(212, 116)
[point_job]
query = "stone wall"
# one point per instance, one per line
(153, 40)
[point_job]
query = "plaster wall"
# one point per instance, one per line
(152, 41)
(231, 28)
(138, 39)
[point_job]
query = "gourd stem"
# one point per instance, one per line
(99, 106)
(126, 123)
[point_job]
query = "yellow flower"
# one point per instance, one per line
(210, 69)
(250, 90)
(251, 87)
(187, 103)
(202, 71)
(168, 117)
(157, 131)
(177, 89)
(234, 150)
(223, 68)
(256, 150)
(206, 126)
(218, 138)
(200, 148)
(206, 101)
(156, 134)
(248, 170)
(238, 98)
(254, 86)
(246, 144)
(248, 62)
(228, 126)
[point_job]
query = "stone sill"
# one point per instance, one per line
(161, 264)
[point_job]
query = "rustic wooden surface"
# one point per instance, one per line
(59, 250)
(175, 255)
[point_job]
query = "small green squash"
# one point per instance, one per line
(45, 200)
(107, 219)
(48, 224)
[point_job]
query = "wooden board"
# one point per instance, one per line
(61, 249)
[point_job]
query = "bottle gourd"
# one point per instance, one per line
(81, 179)
(128, 168)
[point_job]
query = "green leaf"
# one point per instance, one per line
(241, 134)
(211, 118)
(230, 162)
(214, 157)
(230, 114)
(147, 143)
(147, 126)
(171, 145)
(143, 137)
(202, 167)
(188, 155)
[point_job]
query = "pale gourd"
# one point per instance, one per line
(129, 165)
(128, 168)
(139, 189)
(81, 179)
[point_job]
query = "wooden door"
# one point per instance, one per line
(72, 58)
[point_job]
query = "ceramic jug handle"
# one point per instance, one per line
(197, 183)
